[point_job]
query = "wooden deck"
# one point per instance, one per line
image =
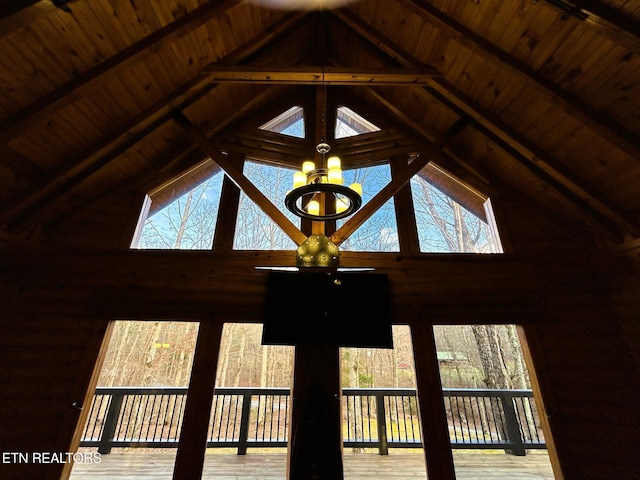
(357, 466)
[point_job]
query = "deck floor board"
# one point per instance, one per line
(357, 466)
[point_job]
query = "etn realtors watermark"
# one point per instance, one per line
(51, 457)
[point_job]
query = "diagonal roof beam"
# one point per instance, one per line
(53, 102)
(240, 180)
(102, 153)
(603, 19)
(318, 75)
(501, 134)
(153, 178)
(568, 103)
(533, 158)
(396, 184)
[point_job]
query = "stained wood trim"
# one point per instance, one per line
(316, 75)
(555, 95)
(84, 389)
(395, 184)
(137, 217)
(498, 224)
(53, 102)
(243, 182)
(197, 410)
(435, 434)
(543, 392)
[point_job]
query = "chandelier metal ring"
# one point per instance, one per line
(291, 200)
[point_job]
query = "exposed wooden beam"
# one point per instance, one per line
(226, 222)
(555, 95)
(318, 75)
(241, 181)
(101, 154)
(255, 140)
(498, 131)
(154, 178)
(187, 284)
(404, 209)
(416, 126)
(530, 156)
(605, 20)
(396, 183)
(53, 102)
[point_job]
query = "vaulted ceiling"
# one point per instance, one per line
(535, 101)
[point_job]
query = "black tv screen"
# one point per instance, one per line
(348, 309)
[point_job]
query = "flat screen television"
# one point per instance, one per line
(347, 309)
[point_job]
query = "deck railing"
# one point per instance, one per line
(257, 417)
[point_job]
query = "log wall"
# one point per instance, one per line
(56, 307)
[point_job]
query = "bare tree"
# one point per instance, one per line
(186, 223)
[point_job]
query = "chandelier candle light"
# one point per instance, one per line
(318, 182)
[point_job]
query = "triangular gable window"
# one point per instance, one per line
(186, 223)
(446, 224)
(289, 123)
(350, 124)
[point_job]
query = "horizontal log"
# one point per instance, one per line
(187, 285)
(319, 75)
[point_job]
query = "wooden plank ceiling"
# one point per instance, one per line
(548, 93)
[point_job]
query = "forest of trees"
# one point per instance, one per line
(144, 353)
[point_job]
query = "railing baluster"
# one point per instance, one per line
(110, 423)
(513, 430)
(361, 419)
(180, 414)
(244, 423)
(381, 417)
(505, 419)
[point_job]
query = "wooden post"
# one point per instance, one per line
(435, 433)
(229, 203)
(315, 423)
(315, 435)
(197, 411)
(405, 213)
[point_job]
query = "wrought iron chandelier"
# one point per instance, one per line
(311, 185)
